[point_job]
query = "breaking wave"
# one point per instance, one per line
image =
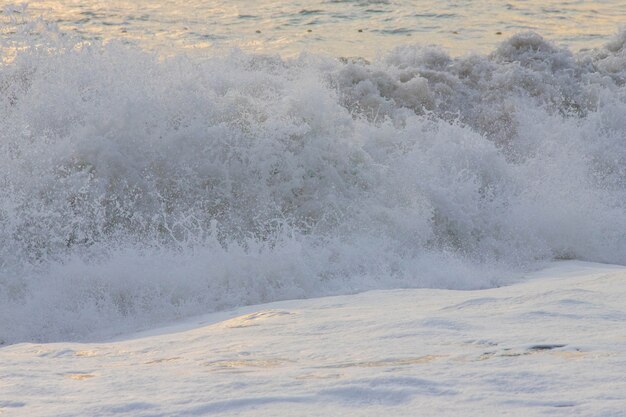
(137, 189)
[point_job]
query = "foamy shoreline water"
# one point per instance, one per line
(552, 344)
(137, 189)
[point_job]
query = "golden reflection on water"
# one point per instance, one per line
(340, 28)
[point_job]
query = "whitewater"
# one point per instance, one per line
(553, 345)
(137, 189)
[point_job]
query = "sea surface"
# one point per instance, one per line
(364, 28)
(159, 161)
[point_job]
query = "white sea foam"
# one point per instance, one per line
(137, 189)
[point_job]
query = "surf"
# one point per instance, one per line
(137, 189)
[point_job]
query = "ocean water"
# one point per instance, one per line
(148, 175)
(363, 28)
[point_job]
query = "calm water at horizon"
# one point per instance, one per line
(336, 27)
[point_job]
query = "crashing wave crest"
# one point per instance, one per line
(137, 189)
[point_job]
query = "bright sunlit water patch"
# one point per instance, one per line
(336, 27)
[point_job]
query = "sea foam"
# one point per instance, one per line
(137, 189)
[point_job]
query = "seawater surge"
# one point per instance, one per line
(137, 189)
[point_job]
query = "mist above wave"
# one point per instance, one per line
(137, 189)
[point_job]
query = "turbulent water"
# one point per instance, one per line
(136, 188)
